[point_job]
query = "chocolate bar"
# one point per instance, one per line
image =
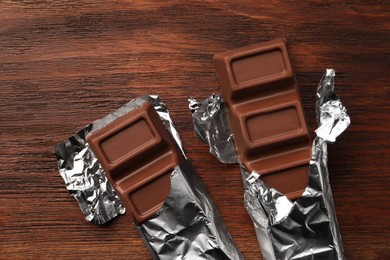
(141, 154)
(266, 115)
(138, 155)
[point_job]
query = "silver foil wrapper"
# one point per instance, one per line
(212, 127)
(306, 228)
(85, 179)
(188, 226)
(332, 117)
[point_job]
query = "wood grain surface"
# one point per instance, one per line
(64, 64)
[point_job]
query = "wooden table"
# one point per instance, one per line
(64, 65)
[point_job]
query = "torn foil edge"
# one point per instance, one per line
(84, 177)
(187, 226)
(303, 229)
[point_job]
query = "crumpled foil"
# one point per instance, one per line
(188, 225)
(332, 118)
(85, 179)
(306, 228)
(212, 127)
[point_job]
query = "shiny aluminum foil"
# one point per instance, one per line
(85, 179)
(331, 115)
(212, 127)
(188, 226)
(306, 228)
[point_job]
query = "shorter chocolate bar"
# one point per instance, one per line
(141, 154)
(138, 155)
(266, 115)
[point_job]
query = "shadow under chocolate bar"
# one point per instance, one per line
(266, 115)
(138, 155)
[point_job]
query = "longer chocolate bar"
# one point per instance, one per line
(266, 115)
(138, 155)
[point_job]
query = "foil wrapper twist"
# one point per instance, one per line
(210, 123)
(306, 228)
(188, 226)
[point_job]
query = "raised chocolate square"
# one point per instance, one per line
(246, 68)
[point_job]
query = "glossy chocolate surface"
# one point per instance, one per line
(266, 114)
(138, 155)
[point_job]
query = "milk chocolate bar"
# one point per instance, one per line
(138, 155)
(140, 151)
(266, 115)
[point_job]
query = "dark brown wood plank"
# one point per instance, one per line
(64, 64)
